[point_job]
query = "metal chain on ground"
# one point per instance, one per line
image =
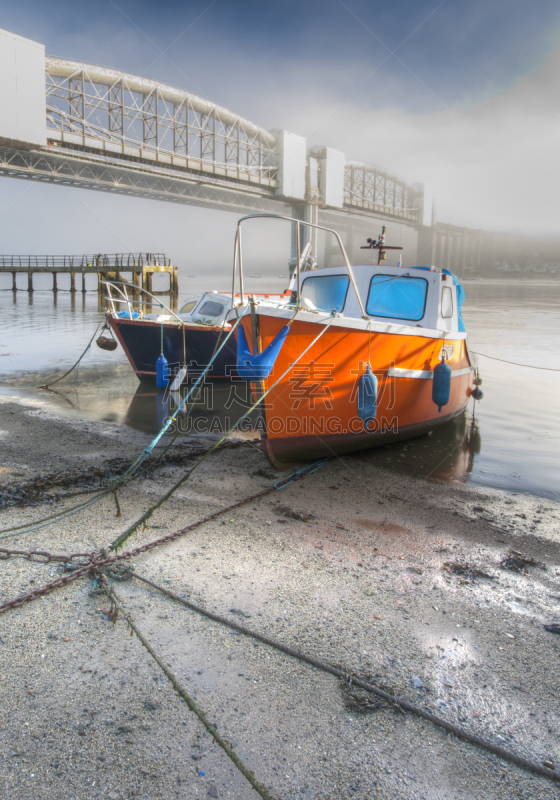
(227, 748)
(40, 556)
(98, 560)
(450, 727)
(96, 563)
(50, 587)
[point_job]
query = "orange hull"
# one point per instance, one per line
(312, 412)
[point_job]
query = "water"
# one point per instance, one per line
(512, 441)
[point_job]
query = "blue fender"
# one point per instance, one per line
(367, 397)
(441, 386)
(162, 372)
(259, 367)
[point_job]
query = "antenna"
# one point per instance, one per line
(380, 245)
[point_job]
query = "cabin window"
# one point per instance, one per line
(446, 302)
(325, 292)
(188, 307)
(211, 309)
(398, 297)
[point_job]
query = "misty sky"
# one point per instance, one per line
(463, 97)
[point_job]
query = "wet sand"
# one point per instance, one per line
(363, 584)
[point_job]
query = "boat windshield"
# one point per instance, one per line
(189, 305)
(325, 292)
(400, 297)
(211, 309)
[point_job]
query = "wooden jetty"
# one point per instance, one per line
(141, 266)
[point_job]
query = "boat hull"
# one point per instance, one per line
(312, 412)
(141, 341)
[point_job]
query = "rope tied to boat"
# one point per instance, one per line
(73, 367)
(121, 539)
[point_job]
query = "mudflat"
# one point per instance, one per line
(396, 579)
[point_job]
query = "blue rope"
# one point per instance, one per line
(308, 470)
(147, 514)
(203, 374)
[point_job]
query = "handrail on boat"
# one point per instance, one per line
(125, 298)
(237, 258)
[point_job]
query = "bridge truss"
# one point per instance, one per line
(102, 109)
(125, 134)
(376, 190)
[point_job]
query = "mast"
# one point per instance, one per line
(380, 245)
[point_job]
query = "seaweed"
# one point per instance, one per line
(468, 573)
(518, 563)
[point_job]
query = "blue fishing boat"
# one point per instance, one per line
(187, 339)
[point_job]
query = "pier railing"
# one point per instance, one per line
(104, 265)
(122, 261)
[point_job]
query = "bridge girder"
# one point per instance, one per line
(126, 115)
(66, 169)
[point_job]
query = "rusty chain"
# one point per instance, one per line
(47, 589)
(40, 556)
(101, 559)
(97, 560)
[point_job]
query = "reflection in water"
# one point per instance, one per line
(213, 408)
(447, 453)
(513, 443)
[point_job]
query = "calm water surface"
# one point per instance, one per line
(509, 440)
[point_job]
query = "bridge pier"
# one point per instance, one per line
(30, 282)
(14, 283)
(54, 283)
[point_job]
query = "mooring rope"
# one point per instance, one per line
(121, 539)
(405, 705)
(515, 364)
(165, 427)
(52, 383)
(199, 713)
(125, 477)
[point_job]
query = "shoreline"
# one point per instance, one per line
(362, 583)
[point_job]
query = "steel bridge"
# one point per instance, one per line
(76, 124)
(73, 124)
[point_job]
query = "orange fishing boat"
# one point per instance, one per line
(362, 355)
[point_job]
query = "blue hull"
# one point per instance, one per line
(141, 341)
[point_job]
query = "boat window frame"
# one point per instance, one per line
(450, 290)
(322, 277)
(190, 311)
(395, 278)
(209, 301)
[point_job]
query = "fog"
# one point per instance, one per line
(480, 130)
